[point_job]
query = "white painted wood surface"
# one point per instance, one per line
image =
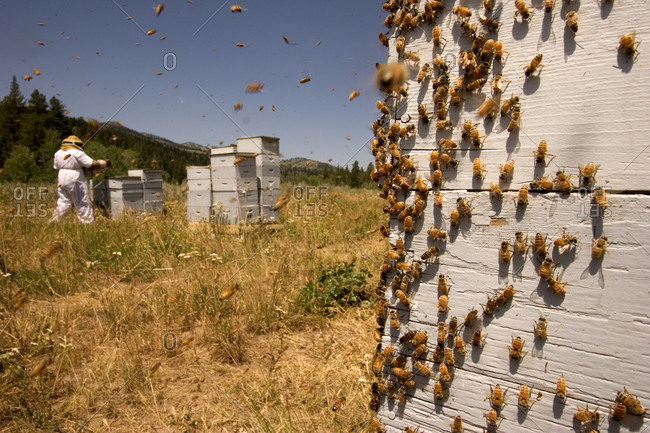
(589, 104)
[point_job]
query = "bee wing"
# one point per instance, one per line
(585, 273)
(601, 278)
(553, 207)
(563, 248)
(537, 352)
(535, 297)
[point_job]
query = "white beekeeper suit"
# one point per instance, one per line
(71, 160)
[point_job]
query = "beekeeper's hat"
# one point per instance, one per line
(73, 139)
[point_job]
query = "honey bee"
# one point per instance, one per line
(338, 404)
(522, 196)
(444, 124)
(563, 182)
(476, 84)
(377, 426)
(446, 143)
(378, 365)
(464, 208)
(566, 241)
(507, 293)
(49, 250)
(418, 204)
(449, 357)
(572, 20)
(539, 244)
(632, 403)
(478, 169)
(438, 390)
(488, 108)
(422, 368)
(411, 430)
(441, 110)
(486, 53)
(540, 328)
(490, 306)
(391, 76)
(546, 268)
(443, 303)
(588, 173)
(398, 362)
(453, 325)
(378, 334)
(394, 322)
(442, 80)
(438, 354)
(420, 337)
(423, 74)
(504, 252)
(457, 425)
(443, 287)
(541, 152)
(558, 287)
(401, 394)
(402, 182)
(598, 246)
(437, 234)
(600, 198)
(520, 243)
(437, 37)
(436, 178)
(543, 183)
(497, 397)
(493, 419)
(430, 253)
(389, 350)
(498, 51)
(443, 371)
(560, 390)
(618, 411)
(420, 350)
(408, 224)
(509, 104)
(515, 118)
(455, 94)
(449, 160)
(402, 297)
(401, 374)
(491, 24)
(421, 185)
(469, 30)
(462, 13)
(585, 416)
(522, 10)
(516, 348)
(438, 198)
(467, 60)
(440, 63)
(454, 218)
(412, 56)
(495, 191)
(391, 387)
(530, 69)
(399, 44)
(383, 39)
(524, 401)
(471, 316)
(628, 43)
(478, 339)
(382, 107)
(548, 5)
(460, 345)
(399, 246)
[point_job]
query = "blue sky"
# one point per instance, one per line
(199, 55)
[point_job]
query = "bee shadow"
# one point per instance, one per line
(577, 426)
(514, 364)
(453, 234)
(432, 268)
(538, 347)
(437, 216)
(558, 407)
(518, 262)
(520, 211)
(477, 183)
(521, 415)
(504, 268)
(454, 113)
(596, 221)
(629, 423)
(519, 29)
(569, 41)
(539, 170)
(423, 131)
(501, 310)
(487, 319)
(497, 204)
(531, 84)
(605, 8)
(512, 143)
(547, 294)
(546, 27)
(476, 353)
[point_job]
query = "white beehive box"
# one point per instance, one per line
(198, 173)
(258, 145)
(98, 191)
(268, 214)
(199, 185)
(269, 196)
(147, 175)
(199, 198)
(198, 213)
(130, 183)
(223, 166)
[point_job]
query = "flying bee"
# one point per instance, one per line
(631, 402)
(437, 234)
(563, 182)
(520, 243)
(478, 169)
(460, 345)
(560, 390)
(504, 252)
(383, 39)
(491, 24)
(522, 10)
(382, 107)
(628, 43)
(493, 419)
(546, 268)
(449, 357)
(598, 246)
(600, 198)
(588, 173)
(507, 293)
(422, 368)
(515, 118)
(495, 191)
(443, 371)
(539, 244)
(438, 390)
(464, 208)
(471, 317)
(420, 337)
(506, 170)
(454, 218)
(453, 325)
(515, 348)
(530, 69)
(490, 306)
(338, 404)
(618, 411)
(430, 253)
(488, 5)
(541, 152)
(524, 401)
(548, 5)
(509, 104)
(437, 37)
(572, 20)
(478, 338)
(444, 124)
(522, 196)
(489, 107)
(565, 241)
(391, 76)
(443, 304)
(440, 63)
(394, 322)
(497, 397)
(457, 425)
(543, 183)
(585, 416)
(540, 328)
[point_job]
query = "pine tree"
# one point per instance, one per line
(21, 165)
(32, 131)
(12, 107)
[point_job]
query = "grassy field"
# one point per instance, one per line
(149, 323)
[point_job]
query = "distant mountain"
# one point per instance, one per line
(187, 145)
(304, 165)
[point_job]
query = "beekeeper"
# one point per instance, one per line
(71, 161)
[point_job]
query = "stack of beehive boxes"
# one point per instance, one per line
(234, 185)
(124, 192)
(152, 189)
(198, 195)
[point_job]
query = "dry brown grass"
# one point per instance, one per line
(126, 326)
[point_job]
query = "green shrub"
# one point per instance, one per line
(338, 286)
